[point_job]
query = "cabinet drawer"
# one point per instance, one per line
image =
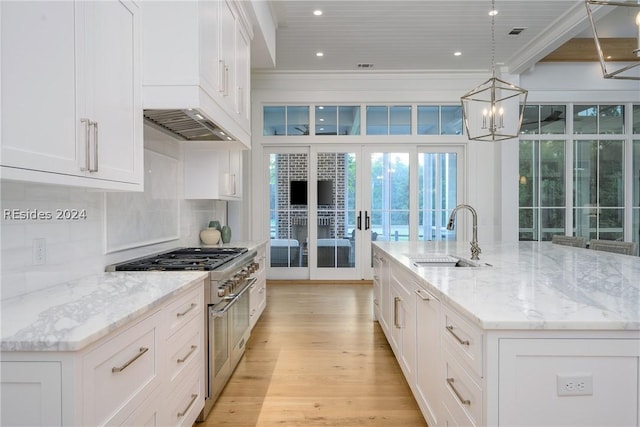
(461, 392)
(185, 349)
(185, 401)
(120, 373)
(187, 307)
(463, 339)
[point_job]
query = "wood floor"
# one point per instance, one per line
(317, 358)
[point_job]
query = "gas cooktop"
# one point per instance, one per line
(183, 259)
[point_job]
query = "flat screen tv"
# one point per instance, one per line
(325, 192)
(298, 193)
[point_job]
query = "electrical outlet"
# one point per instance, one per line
(39, 250)
(580, 384)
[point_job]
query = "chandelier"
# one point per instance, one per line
(618, 74)
(493, 111)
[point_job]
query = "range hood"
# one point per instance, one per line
(185, 125)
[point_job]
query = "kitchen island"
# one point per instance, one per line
(536, 334)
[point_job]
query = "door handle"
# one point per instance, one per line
(367, 221)
(359, 226)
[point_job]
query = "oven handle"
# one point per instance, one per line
(221, 312)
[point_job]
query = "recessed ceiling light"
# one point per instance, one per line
(319, 54)
(493, 12)
(457, 53)
(322, 120)
(317, 12)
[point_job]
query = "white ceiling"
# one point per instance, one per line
(421, 35)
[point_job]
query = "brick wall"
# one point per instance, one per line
(293, 220)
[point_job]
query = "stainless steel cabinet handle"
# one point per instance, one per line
(95, 146)
(460, 340)
(460, 398)
(191, 307)
(193, 399)
(423, 297)
(87, 138)
(396, 300)
(142, 351)
(193, 348)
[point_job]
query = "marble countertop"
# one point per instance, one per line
(72, 315)
(532, 285)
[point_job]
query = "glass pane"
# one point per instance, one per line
(636, 119)
(377, 120)
(552, 173)
(274, 121)
(528, 176)
(553, 119)
(349, 120)
(451, 120)
(326, 120)
(288, 209)
(611, 178)
(298, 120)
(400, 120)
(530, 120)
(551, 222)
(390, 196)
(437, 194)
(585, 119)
(611, 119)
(336, 175)
(526, 225)
(636, 174)
(585, 173)
(611, 224)
(585, 221)
(427, 120)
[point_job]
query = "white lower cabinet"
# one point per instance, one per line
(258, 295)
(30, 393)
(147, 373)
(464, 375)
(428, 369)
(403, 326)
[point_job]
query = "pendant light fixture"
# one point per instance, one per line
(633, 22)
(493, 111)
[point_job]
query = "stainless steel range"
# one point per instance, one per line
(231, 273)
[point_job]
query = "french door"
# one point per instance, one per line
(327, 204)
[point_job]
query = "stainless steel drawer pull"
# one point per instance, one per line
(460, 340)
(424, 298)
(142, 351)
(463, 401)
(396, 300)
(191, 307)
(193, 399)
(193, 348)
(95, 147)
(87, 138)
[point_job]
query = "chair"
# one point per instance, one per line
(626, 248)
(575, 241)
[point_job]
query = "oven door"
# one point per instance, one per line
(228, 333)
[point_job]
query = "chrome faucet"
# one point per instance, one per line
(475, 249)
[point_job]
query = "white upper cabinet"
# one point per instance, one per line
(212, 174)
(71, 106)
(192, 59)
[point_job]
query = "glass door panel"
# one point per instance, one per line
(336, 210)
(390, 196)
(288, 209)
(437, 194)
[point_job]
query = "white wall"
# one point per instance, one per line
(76, 248)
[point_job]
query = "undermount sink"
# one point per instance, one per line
(445, 261)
